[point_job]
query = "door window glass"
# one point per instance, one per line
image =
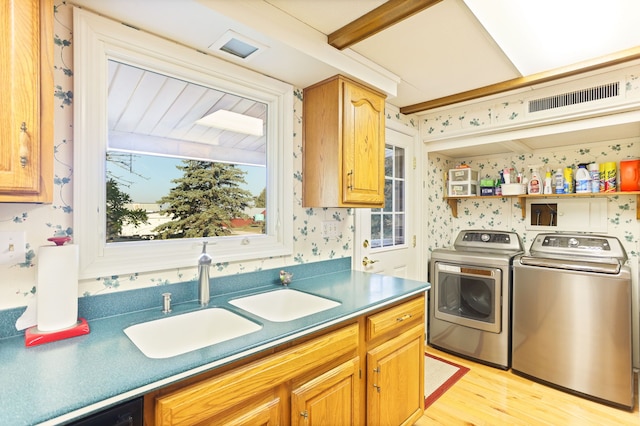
(388, 223)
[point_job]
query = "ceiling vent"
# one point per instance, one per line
(238, 46)
(595, 93)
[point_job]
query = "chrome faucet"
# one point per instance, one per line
(204, 263)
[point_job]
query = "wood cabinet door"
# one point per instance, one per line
(395, 379)
(263, 412)
(330, 399)
(26, 84)
(362, 146)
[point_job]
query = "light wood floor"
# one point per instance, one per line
(490, 396)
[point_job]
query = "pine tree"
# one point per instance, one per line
(204, 200)
(117, 213)
(261, 199)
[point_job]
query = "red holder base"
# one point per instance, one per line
(34, 337)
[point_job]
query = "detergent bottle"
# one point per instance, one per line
(547, 183)
(535, 185)
(559, 183)
(583, 179)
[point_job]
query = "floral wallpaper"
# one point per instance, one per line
(505, 213)
(40, 221)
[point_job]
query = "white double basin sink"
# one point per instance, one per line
(179, 334)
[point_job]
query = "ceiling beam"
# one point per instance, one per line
(380, 18)
(531, 80)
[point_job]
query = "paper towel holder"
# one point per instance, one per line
(59, 241)
(34, 336)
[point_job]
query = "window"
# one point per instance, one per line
(145, 117)
(388, 223)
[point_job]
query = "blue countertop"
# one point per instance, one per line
(56, 382)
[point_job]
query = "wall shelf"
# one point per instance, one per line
(453, 201)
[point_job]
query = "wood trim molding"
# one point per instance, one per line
(384, 16)
(520, 82)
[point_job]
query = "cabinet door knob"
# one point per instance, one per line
(25, 141)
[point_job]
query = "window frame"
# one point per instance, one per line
(98, 39)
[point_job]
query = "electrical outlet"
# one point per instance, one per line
(12, 247)
(330, 229)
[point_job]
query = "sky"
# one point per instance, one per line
(158, 172)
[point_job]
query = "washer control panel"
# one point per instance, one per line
(591, 246)
(488, 240)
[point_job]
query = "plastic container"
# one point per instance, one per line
(610, 177)
(463, 189)
(463, 175)
(513, 188)
(535, 184)
(594, 172)
(583, 179)
(487, 190)
(559, 182)
(568, 180)
(630, 175)
(546, 189)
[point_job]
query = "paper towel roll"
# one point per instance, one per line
(57, 289)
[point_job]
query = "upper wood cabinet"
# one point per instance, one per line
(343, 145)
(26, 84)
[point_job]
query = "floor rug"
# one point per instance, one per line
(439, 376)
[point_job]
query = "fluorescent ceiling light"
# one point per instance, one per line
(227, 120)
(541, 35)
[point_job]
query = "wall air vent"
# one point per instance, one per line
(604, 91)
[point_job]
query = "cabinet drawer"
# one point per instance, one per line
(395, 318)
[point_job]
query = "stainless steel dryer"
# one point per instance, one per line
(572, 316)
(469, 305)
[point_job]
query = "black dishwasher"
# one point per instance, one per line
(128, 413)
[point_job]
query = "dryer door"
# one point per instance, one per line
(468, 295)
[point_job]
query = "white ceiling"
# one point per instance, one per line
(438, 52)
(150, 112)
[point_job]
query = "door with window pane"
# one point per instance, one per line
(385, 237)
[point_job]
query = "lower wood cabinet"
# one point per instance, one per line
(366, 372)
(330, 399)
(232, 394)
(395, 380)
(262, 411)
(395, 364)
